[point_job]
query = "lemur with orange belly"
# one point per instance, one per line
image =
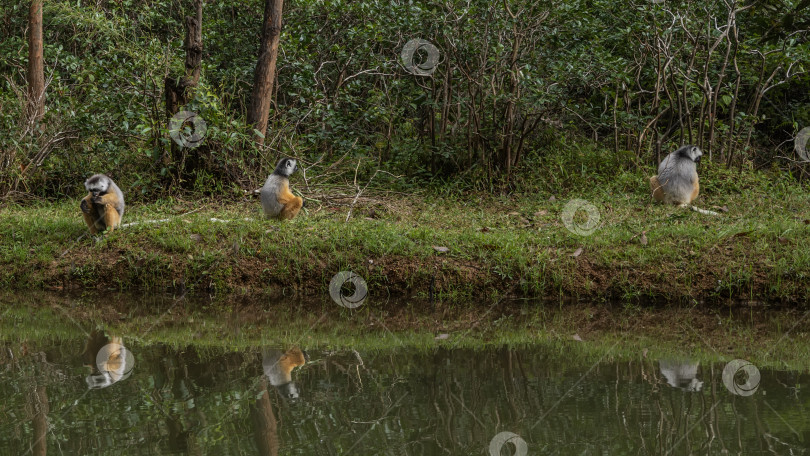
(277, 199)
(103, 206)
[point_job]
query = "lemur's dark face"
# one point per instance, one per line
(289, 391)
(97, 186)
(286, 166)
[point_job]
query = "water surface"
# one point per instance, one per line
(157, 400)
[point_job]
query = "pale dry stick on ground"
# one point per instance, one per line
(246, 219)
(144, 222)
(703, 211)
(125, 225)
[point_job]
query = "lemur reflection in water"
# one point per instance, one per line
(681, 374)
(108, 359)
(277, 366)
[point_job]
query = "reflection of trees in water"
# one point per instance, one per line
(31, 374)
(37, 407)
(415, 403)
(265, 424)
(683, 417)
(167, 406)
(456, 401)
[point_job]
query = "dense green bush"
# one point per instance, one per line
(514, 82)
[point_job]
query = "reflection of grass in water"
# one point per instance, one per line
(44, 325)
(662, 333)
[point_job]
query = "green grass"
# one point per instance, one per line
(757, 251)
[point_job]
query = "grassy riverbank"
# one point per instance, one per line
(757, 249)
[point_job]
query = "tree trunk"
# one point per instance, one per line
(36, 71)
(509, 121)
(264, 76)
(175, 89)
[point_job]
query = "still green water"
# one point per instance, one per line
(156, 400)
